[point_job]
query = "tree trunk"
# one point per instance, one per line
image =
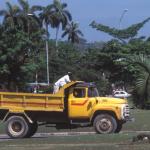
(56, 40)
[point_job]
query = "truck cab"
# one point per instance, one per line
(106, 114)
(82, 100)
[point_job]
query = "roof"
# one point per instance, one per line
(85, 84)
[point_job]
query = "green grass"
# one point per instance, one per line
(121, 141)
(90, 142)
(141, 122)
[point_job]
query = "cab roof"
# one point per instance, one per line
(85, 84)
(75, 84)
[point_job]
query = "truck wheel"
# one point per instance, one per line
(119, 127)
(105, 124)
(17, 127)
(33, 128)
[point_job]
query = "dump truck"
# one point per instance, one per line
(76, 104)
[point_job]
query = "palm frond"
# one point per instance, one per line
(79, 32)
(64, 34)
(142, 83)
(24, 4)
(9, 6)
(140, 61)
(64, 5)
(36, 8)
(68, 15)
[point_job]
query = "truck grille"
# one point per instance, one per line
(126, 111)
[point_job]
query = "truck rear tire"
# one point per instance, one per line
(33, 128)
(17, 127)
(105, 124)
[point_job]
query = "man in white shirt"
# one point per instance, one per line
(61, 82)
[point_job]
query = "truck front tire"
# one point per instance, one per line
(119, 127)
(17, 127)
(105, 124)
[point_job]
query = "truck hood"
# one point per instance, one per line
(111, 100)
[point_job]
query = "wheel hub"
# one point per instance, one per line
(104, 125)
(16, 126)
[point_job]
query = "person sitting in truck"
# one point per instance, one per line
(61, 82)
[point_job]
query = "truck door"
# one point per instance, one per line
(80, 105)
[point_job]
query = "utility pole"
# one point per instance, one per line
(121, 17)
(47, 60)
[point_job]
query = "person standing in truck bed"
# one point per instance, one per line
(61, 82)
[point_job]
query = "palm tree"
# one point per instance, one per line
(48, 19)
(72, 32)
(142, 84)
(28, 16)
(10, 15)
(62, 16)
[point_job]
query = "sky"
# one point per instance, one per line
(107, 12)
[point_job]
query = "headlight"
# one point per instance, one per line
(125, 111)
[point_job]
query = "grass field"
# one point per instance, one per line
(121, 141)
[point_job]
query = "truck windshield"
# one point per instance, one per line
(93, 92)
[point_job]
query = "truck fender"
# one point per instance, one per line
(112, 113)
(8, 114)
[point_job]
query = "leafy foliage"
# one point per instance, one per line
(123, 34)
(141, 66)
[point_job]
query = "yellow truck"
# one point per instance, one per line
(77, 104)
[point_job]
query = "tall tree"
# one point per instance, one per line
(73, 32)
(48, 19)
(62, 16)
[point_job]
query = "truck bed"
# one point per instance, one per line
(21, 102)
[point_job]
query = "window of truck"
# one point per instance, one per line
(79, 92)
(93, 92)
